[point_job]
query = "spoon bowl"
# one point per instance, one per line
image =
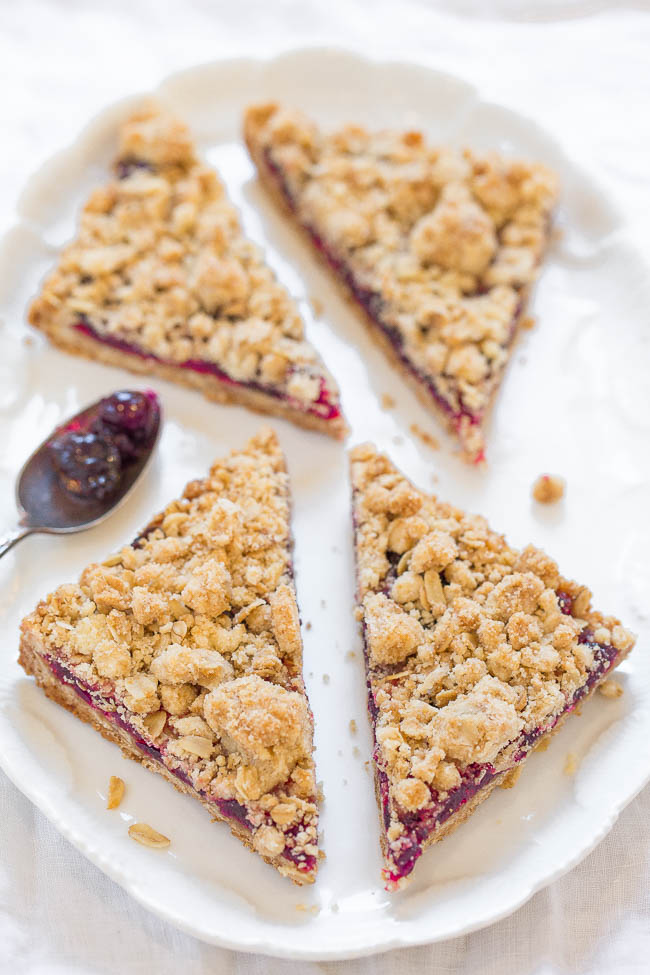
(46, 505)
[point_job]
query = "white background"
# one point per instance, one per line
(582, 70)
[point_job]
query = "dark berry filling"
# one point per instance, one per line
(323, 407)
(91, 453)
(129, 164)
(131, 418)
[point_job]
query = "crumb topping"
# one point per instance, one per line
(468, 640)
(548, 488)
(160, 262)
(611, 688)
(448, 240)
(193, 633)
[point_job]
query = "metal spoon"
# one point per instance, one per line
(44, 504)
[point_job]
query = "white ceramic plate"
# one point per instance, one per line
(574, 401)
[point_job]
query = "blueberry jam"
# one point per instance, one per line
(130, 417)
(125, 167)
(91, 453)
(88, 464)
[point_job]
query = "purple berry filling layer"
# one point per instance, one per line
(420, 825)
(323, 407)
(373, 305)
(107, 707)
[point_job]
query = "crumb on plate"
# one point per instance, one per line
(571, 764)
(511, 776)
(611, 688)
(427, 439)
(147, 836)
(548, 488)
(115, 792)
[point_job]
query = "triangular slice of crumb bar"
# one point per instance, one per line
(161, 280)
(185, 649)
(438, 247)
(475, 653)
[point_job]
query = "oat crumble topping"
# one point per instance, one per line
(548, 488)
(146, 835)
(473, 648)
(439, 245)
(192, 635)
(160, 263)
(116, 789)
(571, 764)
(611, 689)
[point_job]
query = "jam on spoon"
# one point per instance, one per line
(91, 452)
(86, 467)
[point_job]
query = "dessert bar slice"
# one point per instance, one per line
(184, 648)
(475, 653)
(439, 247)
(161, 280)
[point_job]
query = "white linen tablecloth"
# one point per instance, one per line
(581, 67)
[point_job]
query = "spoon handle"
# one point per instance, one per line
(9, 539)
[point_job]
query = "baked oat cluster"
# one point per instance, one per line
(194, 631)
(440, 245)
(468, 640)
(160, 263)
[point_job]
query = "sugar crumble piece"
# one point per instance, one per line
(316, 306)
(527, 322)
(510, 778)
(115, 792)
(548, 488)
(427, 439)
(308, 626)
(353, 727)
(571, 764)
(147, 836)
(326, 678)
(611, 688)
(387, 401)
